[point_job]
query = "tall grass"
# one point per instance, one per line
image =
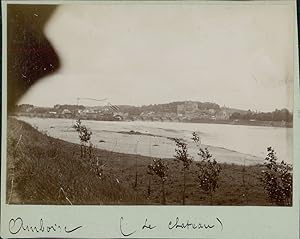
(50, 171)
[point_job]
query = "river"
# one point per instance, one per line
(153, 138)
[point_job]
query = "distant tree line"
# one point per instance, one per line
(276, 115)
(69, 107)
(208, 105)
(23, 107)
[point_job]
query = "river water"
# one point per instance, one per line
(153, 138)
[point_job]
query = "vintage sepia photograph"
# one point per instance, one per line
(168, 104)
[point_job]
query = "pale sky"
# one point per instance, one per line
(234, 55)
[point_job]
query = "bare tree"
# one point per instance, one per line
(150, 173)
(85, 138)
(159, 168)
(182, 155)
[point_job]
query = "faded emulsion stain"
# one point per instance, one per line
(30, 56)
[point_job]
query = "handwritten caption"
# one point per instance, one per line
(17, 225)
(173, 225)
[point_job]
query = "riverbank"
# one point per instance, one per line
(279, 124)
(45, 170)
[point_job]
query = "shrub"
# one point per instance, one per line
(277, 179)
(209, 170)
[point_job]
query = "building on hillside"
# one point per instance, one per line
(146, 113)
(172, 115)
(222, 115)
(52, 112)
(212, 111)
(66, 111)
(120, 115)
(180, 110)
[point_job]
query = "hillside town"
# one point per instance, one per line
(186, 111)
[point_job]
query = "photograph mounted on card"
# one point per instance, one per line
(149, 119)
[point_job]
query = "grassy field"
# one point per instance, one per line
(45, 170)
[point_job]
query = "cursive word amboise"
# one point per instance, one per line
(176, 224)
(17, 225)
